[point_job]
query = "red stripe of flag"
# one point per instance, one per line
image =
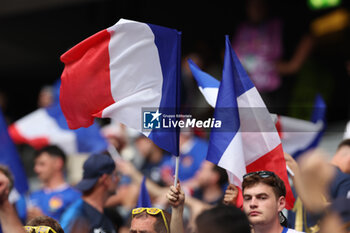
(274, 161)
(86, 64)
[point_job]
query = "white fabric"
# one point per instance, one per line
(135, 72)
(210, 94)
(40, 124)
(298, 134)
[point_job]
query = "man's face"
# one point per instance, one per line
(344, 152)
(143, 225)
(45, 166)
(113, 183)
(205, 174)
(261, 205)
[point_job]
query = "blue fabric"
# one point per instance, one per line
(191, 161)
(80, 212)
(156, 171)
(168, 43)
(89, 140)
(226, 110)
(203, 79)
(144, 200)
(10, 157)
(54, 203)
(318, 114)
(70, 214)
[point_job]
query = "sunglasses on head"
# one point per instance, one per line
(39, 229)
(151, 211)
(262, 174)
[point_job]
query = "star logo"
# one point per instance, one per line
(156, 115)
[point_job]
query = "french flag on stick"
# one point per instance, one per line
(248, 140)
(297, 136)
(120, 71)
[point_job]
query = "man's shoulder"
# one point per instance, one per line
(71, 191)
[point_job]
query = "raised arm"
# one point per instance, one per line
(10, 222)
(176, 199)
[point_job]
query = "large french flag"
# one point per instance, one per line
(248, 140)
(119, 72)
(10, 157)
(48, 126)
(297, 136)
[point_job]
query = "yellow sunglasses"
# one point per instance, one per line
(38, 229)
(151, 211)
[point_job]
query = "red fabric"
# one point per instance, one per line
(17, 138)
(86, 64)
(239, 201)
(279, 127)
(274, 161)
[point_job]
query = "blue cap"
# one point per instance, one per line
(94, 167)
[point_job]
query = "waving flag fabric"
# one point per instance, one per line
(248, 140)
(10, 157)
(47, 126)
(120, 71)
(144, 199)
(297, 135)
(208, 85)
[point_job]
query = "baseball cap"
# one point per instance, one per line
(94, 167)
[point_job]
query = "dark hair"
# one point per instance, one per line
(6, 171)
(222, 174)
(45, 221)
(345, 142)
(159, 225)
(273, 181)
(223, 219)
(53, 151)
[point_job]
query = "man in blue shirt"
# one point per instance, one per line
(56, 194)
(98, 184)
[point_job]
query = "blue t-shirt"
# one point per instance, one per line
(54, 202)
(82, 215)
(190, 159)
(157, 171)
(340, 186)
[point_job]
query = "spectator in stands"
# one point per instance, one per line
(99, 182)
(46, 224)
(223, 219)
(341, 158)
(211, 180)
(150, 220)
(56, 194)
(263, 200)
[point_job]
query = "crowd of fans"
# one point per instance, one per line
(92, 205)
(105, 199)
